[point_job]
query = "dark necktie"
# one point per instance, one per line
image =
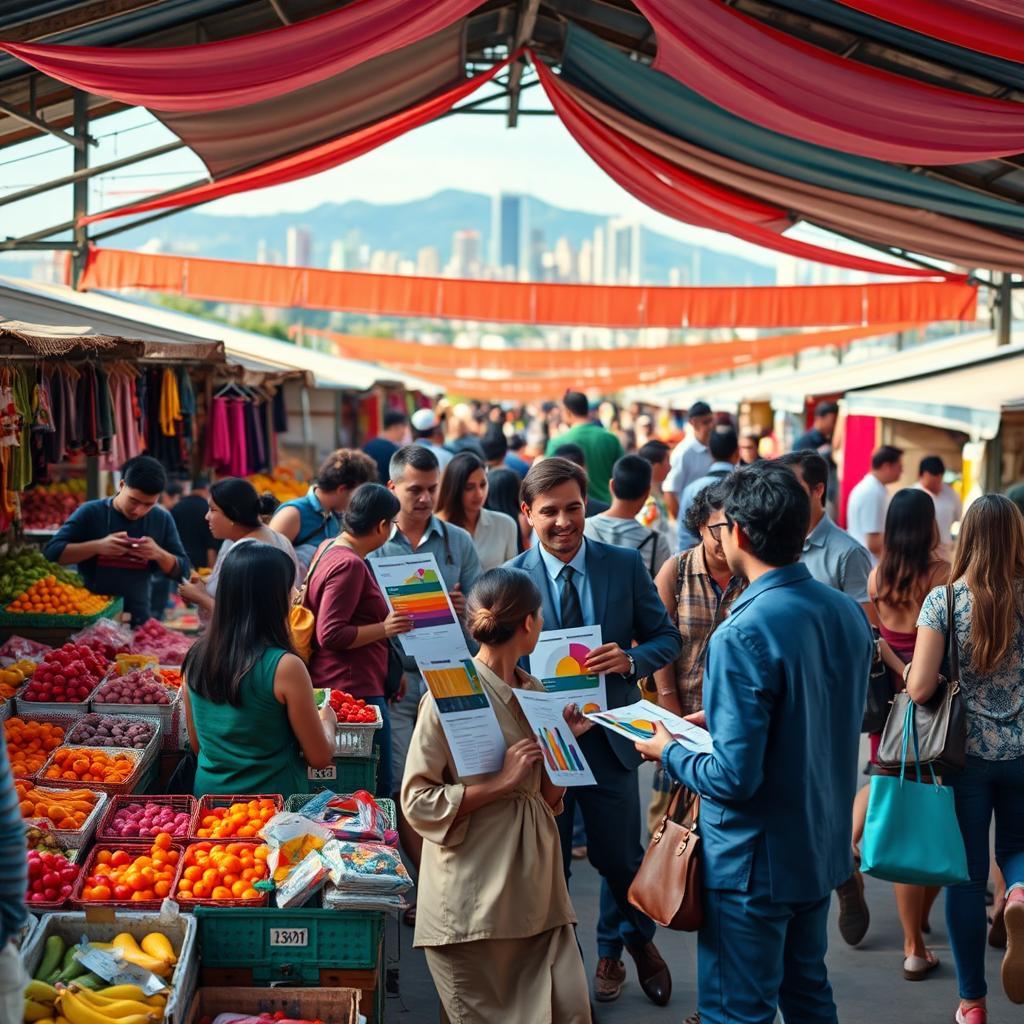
(569, 610)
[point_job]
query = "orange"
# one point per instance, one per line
(193, 873)
(200, 891)
(238, 888)
(184, 885)
(220, 893)
(162, 889)
(250, 894)
(163, 841)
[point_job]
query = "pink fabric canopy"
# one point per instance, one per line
(314, 160)
(678, 193)
(995, 27)
(237, 72)
(800, 90)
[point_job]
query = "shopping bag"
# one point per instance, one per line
(912, 834)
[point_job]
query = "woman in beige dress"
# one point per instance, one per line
(494, 915)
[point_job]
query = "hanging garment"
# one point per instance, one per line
(170, 403)
(280, 411)
(238, 462)
(218, 436)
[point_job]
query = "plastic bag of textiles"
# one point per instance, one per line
(366, 867)
(291, 837)
(304, 880)
(263, 1018)
(356, 818)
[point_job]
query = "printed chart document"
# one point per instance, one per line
(565, 764)
(636, 722)
(470, 725)
(413, 585)
(557, 661)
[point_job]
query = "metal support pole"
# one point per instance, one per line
(92, 477)
(80, 190)
(1004, 309)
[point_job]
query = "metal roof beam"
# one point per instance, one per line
(524, 31)
(79, 142)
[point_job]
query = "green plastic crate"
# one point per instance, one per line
(40, 620)
(290, 945)
(346, 774)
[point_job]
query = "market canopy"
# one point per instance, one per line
(733, 127)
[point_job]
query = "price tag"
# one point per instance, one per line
(323, 774)
(289, 936)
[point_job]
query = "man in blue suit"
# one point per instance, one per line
(784, 692)
(583, 583)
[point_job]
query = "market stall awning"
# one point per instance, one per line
(968, 398)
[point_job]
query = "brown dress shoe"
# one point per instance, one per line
(609, 979)
(854, 916)
(653, 973)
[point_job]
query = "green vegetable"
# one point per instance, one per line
(53, 953)
(72, 970)
(91, 981)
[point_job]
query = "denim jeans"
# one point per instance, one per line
(983, 788)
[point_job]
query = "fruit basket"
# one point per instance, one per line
(353, 738)
(132, 882)
(88, 754)
(53, 874)
(207, 876)
(63, 681)
(213, 801)
(180, 929)
(168, 715)
(43, 837)
(42, 620)
(177, 804)
(106, 732)
(76, 838)
(32, 738)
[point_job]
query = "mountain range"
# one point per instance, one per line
(410, 226)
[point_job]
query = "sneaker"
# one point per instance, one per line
(973, 1015)
(1013, 961)
(609, 979)
(854, 916)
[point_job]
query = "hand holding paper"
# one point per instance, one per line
(653, 748)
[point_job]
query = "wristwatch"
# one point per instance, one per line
(632, 664)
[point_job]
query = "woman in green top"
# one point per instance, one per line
(249, 706)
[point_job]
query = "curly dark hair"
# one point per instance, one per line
(707, 500)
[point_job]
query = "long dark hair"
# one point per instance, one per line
(241, 502)
(250, 615)
(904, 571)
(453, 483)
(503, 496)
(990, 559)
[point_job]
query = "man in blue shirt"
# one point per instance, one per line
(116, 543)
(382, 447)
(585, 582)
(724, 448)
(784, 693)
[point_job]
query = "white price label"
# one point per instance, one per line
(322, 774)
(289, 936)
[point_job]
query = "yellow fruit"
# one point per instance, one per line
(157, 944)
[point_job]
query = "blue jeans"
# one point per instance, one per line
(382, 743)
(755, 955)
(983, 788)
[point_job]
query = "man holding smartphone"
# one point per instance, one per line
(117, 543)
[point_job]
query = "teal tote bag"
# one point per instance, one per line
(911, 834)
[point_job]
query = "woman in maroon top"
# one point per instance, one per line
(353, 625)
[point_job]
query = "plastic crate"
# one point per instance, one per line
(65, 720)
(39, 620)
(180, 929)
(176, 803)
(290, 945)
(330, 1005)
(187, 902)
(297, 801)
(212, 800)
(32, 708)
(73, 853)
(112, 788)
(355, 739)
(78, 838)
(347, 774)
(149, 751)
(133, 849)
(167, 715)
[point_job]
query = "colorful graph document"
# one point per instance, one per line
(557, 661)
(636, 722)
(470, 725)
(565, 764)
(413, 585)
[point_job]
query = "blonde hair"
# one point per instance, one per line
(990, 560)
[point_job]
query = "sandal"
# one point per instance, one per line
(917, 968)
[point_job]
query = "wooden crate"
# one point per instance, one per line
(330, 1005)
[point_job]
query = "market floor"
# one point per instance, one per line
(868, 981)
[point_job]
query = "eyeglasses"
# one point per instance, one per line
(716, 531)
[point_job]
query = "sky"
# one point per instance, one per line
(471, 152)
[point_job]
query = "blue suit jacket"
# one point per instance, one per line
(628, 609)
(784, 689)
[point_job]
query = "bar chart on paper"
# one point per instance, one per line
(565, 764)
(560, 755)
(422, 596)
(456, 687)
(559, 661)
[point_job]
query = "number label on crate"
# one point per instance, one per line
(323, 774)
(289, 936)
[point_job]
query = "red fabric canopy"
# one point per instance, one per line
(312, 161)
(800, 90)
(237, 72)
(668, 188)
(995, 27)
(525, 303)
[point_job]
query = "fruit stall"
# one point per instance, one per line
(152, 906)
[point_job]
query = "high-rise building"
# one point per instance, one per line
(345, 253)
(299, 247)
(564, 260)
(510, 235)
(428, 261)
(585, 262)
(465, 260)
(599, 272)
(624, 251)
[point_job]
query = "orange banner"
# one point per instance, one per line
(674, 360)
(513, 302)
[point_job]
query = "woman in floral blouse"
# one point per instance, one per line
(988, 619)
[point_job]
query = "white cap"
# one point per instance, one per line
(424, 419)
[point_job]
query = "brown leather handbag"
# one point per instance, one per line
(667, 887)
